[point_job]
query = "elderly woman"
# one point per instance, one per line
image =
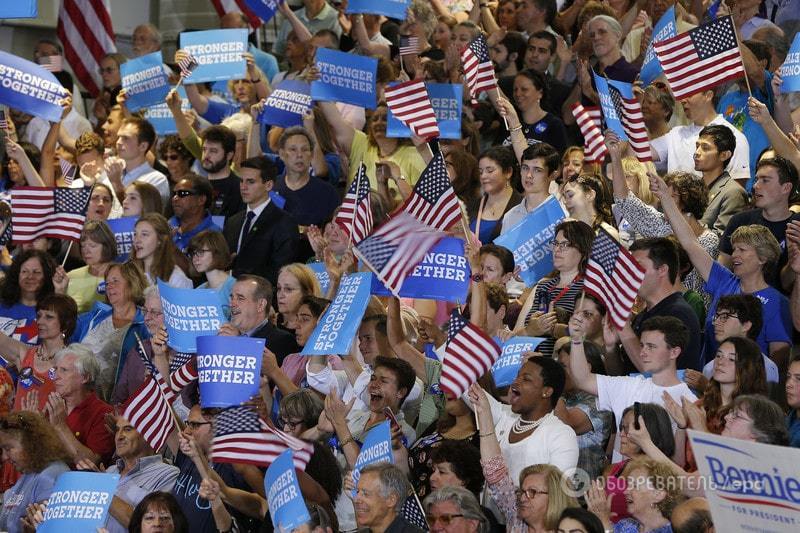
(33, 447)
(605, 35)
(109, 330)
(755, 251)
(85, 285)
(158, 512)
(454, 507)
(657, 108)
(112, 84)
(299, 411)
(29, 279)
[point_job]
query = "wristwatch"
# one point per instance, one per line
(477, 278)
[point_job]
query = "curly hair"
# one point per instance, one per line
(465, 460)
(89, 141)
(10, 291)
(661, 477)
(692, 192)
(173, 143)
(323, 468)
(39, 440)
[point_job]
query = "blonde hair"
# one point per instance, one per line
(662, 478)
(557, 499)
(309, 285)
(760, 238)
(631, 165)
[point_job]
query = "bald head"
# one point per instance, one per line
(692, 516)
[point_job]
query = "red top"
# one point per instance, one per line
(47, 386)
(87, 422)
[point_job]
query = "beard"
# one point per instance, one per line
(215, 167)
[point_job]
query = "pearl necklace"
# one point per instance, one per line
(523, 426)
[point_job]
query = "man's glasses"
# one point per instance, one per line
(184, 193)
(445, 519)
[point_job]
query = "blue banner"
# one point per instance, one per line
(610, 118)
(506, 368)
(265, 9)
(30, 88)
(161, 117)
(19, 9)
(339, 324)
(79, 502)
(377, 448)
(190, 313)
(347, 78)
(276, 197)
(144, 81)
(665, 28)
(228, 369)
(396, 9)
(790, 70)
(529, 240)
(123, 233)
(446, 101)
(218, 54)
(289, 101)
(443, 274)
(322, 276)
(287, 508)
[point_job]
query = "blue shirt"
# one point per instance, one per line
(265, 61)
(182, 239)
(30, 488)
(224, 291)
(793, 425)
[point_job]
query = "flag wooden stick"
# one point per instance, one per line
(739, 46)
(66, 256)
(480, 215)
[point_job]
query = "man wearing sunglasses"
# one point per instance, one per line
(191, 200)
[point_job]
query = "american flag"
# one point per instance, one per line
(409, 45)
(355, 213)
(180, 378)
(410, 104)
(68, 171)
(166, 390)
(55, 212)
(3, 121)
(148, 411)
(478, 68)
(240, 436)
(413, 513)
(5, 238)
(84, 27)
(395, 248)
(187, 64)
(589, 120)
(613, 276)
(226, 6)
(468, 355)
(433, 200)
(701, 58)
(52, 63)
(629, 111)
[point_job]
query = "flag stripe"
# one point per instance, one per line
(84, 27)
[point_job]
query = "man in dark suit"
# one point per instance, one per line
(251, 301)
(263, 236)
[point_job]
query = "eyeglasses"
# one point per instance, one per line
(191, 424)
(723, 317)
(445, 519)
(195, 253)
(154, 312)
(528, 493)
(559, 245)
(184, 193)
(737, 415)
(290, 424)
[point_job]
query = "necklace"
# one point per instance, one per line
(41, 355)
(523, 426)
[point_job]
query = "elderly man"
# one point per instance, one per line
(382, 491)
(251, 302)
(454, 509)
(146, 40)
(74, 409)
(141, 472)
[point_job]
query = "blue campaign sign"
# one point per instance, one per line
(218, 54)
(228, 369)
(665, 28)
(79, 502)
(30, 88)
(345, 78)
(19, 9)
(443, 274)
(276, 197)
(506, 368)
(322, 275)
(161, 117)
(446, 101)
(123, 233)
(289, 101)
(265, 9)
(287, 508)
(610, 117)
(144, 81)
(377, 448)
(396, 9)
(790, 70)
(338, 325)
(190, 313)
(529, 240)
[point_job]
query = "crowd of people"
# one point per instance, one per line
(243, 208)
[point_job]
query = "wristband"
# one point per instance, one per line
(346, 441)
(485, 434)
(516, 128)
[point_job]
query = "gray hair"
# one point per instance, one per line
(392, 481)
(465, 501)
(85, 362)
(151, 290)
(155, 33)
(612, 23)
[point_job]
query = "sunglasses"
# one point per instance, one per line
(172, 157)
(184, 193)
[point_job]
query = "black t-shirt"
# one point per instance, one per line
(312, 203)
(778, 229)
(227, 197)
(674, 305)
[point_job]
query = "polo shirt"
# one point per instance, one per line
(149, 474)
(87, 422)
(326, 19)
(148, 174)
(181, 239)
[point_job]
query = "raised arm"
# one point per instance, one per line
(518, 139)
(398, 341)
(699, 257)
(300, 30)
(254, 135)
(16, 153)
(578, 365)
(782, 145)
(185, 129)
(365, 45)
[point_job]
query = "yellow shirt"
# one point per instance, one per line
(407, 158)
(83, 288)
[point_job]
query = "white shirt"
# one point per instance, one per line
(116, 206)
(617, 393)
(257, 210)
(177, 279)
(74, 124)
(148, 174)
